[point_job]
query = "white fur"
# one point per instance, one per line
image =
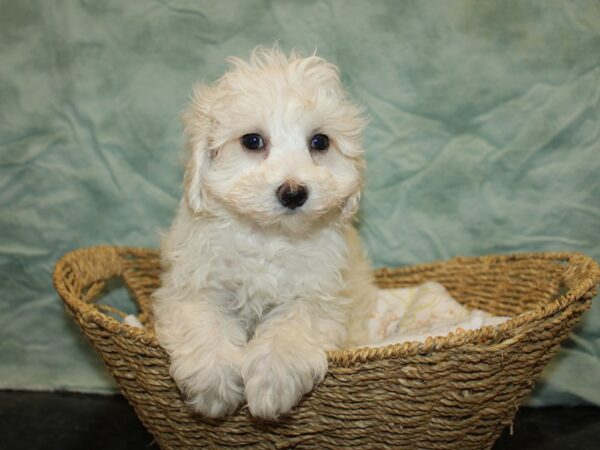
(253, 294)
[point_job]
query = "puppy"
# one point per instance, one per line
(264, 272)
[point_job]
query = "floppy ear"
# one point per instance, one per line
(350, 209)
(197, 126)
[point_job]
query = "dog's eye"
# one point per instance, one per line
(319, 142)
(253, 141)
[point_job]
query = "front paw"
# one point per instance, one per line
(213, 389)
(275, 383)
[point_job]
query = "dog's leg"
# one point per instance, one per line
(206, 348)
(287, 357)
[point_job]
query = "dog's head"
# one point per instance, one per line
(275, 141)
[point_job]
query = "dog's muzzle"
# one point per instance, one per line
(292, 195)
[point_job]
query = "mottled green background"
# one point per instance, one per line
(484, 138)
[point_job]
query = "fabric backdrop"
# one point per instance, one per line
(484, 138)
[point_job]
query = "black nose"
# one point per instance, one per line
(292, 195)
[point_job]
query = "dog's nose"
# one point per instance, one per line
(292, 195)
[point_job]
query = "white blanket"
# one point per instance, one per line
(415, 313)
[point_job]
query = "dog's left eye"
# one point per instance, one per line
(319, 142)
(253, 141)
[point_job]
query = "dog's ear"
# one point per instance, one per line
(350, 209)
(198, 124)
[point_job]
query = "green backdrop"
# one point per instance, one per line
(484, 138)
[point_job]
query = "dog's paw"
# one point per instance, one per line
(275, 383)
(219, 398)
(213, 390)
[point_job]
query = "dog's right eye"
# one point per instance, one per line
(253, 141)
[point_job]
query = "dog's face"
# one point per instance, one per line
(275, 141)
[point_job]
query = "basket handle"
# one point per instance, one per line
(81, 275)
(581, 269)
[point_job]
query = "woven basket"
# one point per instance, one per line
(457, 391)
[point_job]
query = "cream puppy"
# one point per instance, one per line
(264, 272)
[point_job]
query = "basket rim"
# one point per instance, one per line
(591, 278)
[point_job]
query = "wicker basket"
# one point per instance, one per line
(457, 391)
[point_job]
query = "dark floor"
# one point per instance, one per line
(31, 421)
